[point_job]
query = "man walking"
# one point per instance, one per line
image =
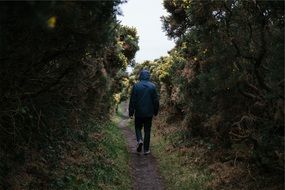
(144, 104)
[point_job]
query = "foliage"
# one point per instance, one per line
(128, 45)
(61, 64)
(225, 78)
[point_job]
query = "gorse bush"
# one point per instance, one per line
(225, 76)
(61, 63)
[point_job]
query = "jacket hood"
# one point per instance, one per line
(144, 75)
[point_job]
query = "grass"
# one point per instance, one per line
(177, 167)
(120, 114)
(98, 162)
(116, 151)
(91, 156)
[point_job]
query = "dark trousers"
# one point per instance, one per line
(143, 122)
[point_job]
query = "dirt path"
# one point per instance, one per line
(143, 168)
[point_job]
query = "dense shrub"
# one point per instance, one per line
(225, 76)
(61, 64)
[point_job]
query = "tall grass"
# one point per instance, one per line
(178, 167)
(98, 162)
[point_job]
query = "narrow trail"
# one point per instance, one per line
(144, 169)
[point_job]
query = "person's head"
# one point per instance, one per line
(144, 75)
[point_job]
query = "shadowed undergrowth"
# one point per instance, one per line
(93, 158)
(105, 162)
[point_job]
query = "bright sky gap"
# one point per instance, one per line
(145, 16)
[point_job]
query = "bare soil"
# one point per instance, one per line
(143, 168)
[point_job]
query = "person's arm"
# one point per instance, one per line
(155, 102)
(131, 103)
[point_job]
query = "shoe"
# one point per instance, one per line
(139, 146)
(147, 152)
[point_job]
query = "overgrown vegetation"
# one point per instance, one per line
(61, 65)
(178, 165)
(63, 71)
(222, 86)
(93, 158)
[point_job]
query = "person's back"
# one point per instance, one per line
(144, 104)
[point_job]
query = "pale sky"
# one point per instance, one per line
(145, 16)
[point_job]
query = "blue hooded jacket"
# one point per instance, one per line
(144, 100)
